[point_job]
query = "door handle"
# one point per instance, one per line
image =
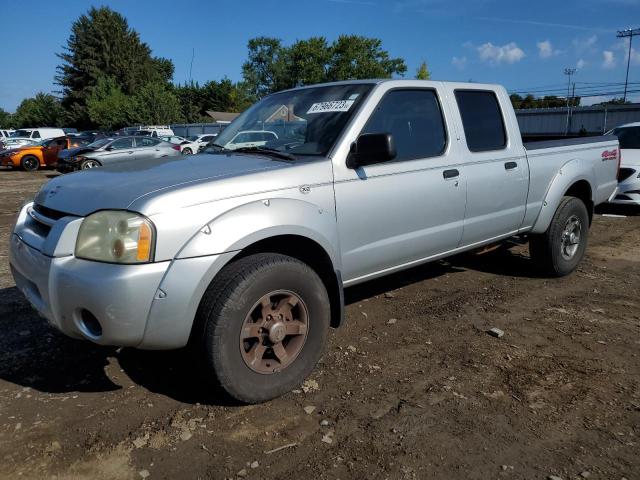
(453, 173)
(510, 165)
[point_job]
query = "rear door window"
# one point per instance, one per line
(35, 134)
(482, 120)
(142, 142)
(414, 118)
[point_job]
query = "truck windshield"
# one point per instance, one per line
(305, 121)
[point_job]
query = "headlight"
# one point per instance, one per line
(116, 236)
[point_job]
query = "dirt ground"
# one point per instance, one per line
(411, 387)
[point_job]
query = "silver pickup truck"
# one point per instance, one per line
(243, 253)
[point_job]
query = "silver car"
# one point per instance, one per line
(108, 151)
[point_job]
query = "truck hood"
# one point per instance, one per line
(120, 186)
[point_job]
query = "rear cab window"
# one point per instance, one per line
(482, 120)
(414, 118)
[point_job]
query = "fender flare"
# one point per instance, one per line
(573, 171)
(246, 224)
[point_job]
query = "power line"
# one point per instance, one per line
(628, 33)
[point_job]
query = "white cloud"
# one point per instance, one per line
(623, 46)
(581, 64)
(608, 59)
(459, 62)
(508, 53)
(584, 44)
(545, 49)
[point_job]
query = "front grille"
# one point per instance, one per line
(625, 173)
(49, 213)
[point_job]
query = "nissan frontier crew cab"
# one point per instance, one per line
(243, 253)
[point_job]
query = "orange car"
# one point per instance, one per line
(32, 157)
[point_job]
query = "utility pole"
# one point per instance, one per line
(569, 72)
(629, 32)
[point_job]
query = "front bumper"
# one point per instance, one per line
(149, 306)
(8, 162)
(64, 289)
(63, 166)
(628, 192)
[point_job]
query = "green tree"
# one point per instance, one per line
(616, 101)
(43, 110)
(355, 57)
(423, 72)
(6, 119)
(108, 107)
(264, 69)
(271, 66)
(155, 103)
(102, 44)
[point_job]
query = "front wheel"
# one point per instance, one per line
(187, 151)
(87, 164)
(29, 163)
(559, 250)
(265, 321)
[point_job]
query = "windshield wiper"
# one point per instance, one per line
(266, 151)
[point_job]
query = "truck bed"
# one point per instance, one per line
(565, 142)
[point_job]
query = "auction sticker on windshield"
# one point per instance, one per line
(334, 106)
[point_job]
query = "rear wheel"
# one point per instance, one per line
(30, 163)
(87, 164)
(187, 151)
(264, 326)
(559, 250)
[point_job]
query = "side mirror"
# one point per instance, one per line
(371, 148)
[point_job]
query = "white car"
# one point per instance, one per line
(251, 138)
(38, 133)
(203, 139)
(629, 174)
(11, 143)
(186, 147)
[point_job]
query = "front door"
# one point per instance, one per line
(411, 208)
(119, 150)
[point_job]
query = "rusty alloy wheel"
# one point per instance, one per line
(274, 332)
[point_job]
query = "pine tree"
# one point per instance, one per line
(102, 44)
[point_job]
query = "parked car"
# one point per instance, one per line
(5, 134)
(629, 176)
(243, 254)
(113, 150)
(32, 157)
(186, 147)
(202, 140)
(11, 143)
(38, 133)
(250, 138)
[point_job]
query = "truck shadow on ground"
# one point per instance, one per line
(35, 355)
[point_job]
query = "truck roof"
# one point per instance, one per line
(403, 82)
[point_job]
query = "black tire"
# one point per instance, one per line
(187, 151)
(89, 164)
(555, 252)
(226, 305)
(30, 163)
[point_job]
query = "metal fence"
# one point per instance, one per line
(188, 129)
(586, 120)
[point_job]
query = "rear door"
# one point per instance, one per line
(495, 166)
(147, 147)
(406, 210)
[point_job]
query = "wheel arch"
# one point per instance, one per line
(573, 179)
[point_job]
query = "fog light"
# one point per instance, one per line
(90, 324)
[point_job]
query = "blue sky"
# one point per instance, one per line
(521, 44)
